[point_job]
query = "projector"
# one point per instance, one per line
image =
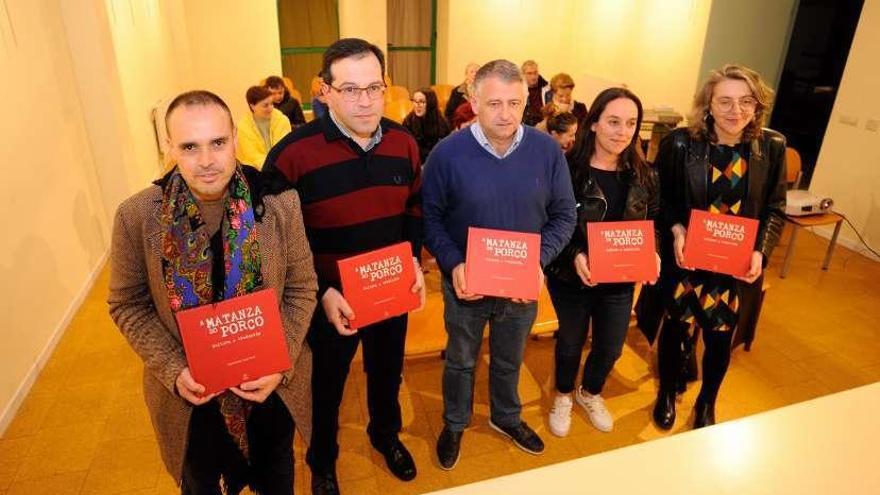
(800, 203)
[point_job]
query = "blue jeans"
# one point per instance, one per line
(509, 326)
(609, 307)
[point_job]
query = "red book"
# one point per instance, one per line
(622, 251)
(720, 243)
(378, 284)
(503, 263)
(234, 341)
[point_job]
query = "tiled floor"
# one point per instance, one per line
(83, 429)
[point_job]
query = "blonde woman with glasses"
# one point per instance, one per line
(724, 162)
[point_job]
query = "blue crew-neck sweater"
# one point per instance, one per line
(464, 185)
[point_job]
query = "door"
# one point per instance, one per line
(412, 35)
(306, 28)
(820, 40)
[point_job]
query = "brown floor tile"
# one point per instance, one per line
(59, 484)
(122, 465)
(30, 415)
(61, 449)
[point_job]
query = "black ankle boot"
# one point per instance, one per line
(704, 414)
(664, 409)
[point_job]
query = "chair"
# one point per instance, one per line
(793, 177)
(397, 110)
(288, 82)
(393, 93)
(793, 168)
(315, 86)
(443, 91)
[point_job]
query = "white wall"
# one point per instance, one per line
(56, 230)
(233, 44)
(151, 58)
(653, 46)
(737, 35)
(848, 168)
(366, 19)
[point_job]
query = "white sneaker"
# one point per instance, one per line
(596, 410)
(560, 415)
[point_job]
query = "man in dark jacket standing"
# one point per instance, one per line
(538, 88)
(286, 104)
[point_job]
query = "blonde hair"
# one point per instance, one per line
(700, 121)
(561, 80)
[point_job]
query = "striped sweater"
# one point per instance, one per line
(352, 201)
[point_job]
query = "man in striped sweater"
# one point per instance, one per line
(358, 178)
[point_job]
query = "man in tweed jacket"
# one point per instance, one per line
(224, 200)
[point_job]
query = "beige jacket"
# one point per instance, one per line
(139, 306)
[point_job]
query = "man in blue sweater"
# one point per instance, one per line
(496, 174)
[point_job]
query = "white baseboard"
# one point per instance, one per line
(31, 377)
(853, 244)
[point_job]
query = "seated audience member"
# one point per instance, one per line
(463, 116)
(284, 102)
(561, 87)
(563, 128)
(538, 88)
(547, 111)
(261, 129)
(319, 104)
(461, 93)
(425, 122)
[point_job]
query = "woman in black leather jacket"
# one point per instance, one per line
(611, 182)
(725, 162)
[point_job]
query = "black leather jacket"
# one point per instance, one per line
(642, 203)
(682, 163)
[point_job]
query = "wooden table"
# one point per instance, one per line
(811, 221)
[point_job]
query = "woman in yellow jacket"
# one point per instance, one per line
(260, 130)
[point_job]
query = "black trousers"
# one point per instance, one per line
(212, 452)
(332, 353)
(608, 306)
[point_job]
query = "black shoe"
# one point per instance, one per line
(398, 459)
(704, 414)
(664, 409)
(448, 448)
(523, 437)
(324, 483)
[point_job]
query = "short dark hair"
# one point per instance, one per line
(345, 48)
(275, 82)
(560, 123)
(256, 94)
(196, 97)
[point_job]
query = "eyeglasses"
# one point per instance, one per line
(747, 103)
(419, 102)
(353, 93)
